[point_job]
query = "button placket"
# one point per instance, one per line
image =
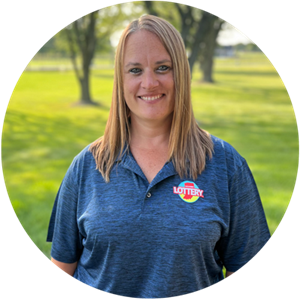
(148, 195)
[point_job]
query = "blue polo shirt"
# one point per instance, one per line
(167, 238)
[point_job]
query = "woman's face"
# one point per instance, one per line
(148, 78)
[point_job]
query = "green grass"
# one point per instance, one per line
(43, 130)
(44, 61)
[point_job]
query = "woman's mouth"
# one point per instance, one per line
(151, 98)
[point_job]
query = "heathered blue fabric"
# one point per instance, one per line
(159, 246)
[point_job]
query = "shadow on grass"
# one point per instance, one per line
(46, 132)
(247, 73)
(96, 104)
(104, 76)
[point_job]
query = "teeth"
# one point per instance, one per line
(151, 98)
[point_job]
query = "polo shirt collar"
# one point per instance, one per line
(127, 160)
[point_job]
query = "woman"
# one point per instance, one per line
(156, 207)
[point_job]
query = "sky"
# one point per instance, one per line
(231, 36)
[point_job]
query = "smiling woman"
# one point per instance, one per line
(157, 206)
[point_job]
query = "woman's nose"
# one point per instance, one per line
(149, 80)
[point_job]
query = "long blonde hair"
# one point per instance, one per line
(189, 145)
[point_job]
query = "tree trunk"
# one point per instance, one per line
(207, 69)
(204, 26)
(187, 21)
(84, 37)
(207, 59)
(85, 88)
(150, 8)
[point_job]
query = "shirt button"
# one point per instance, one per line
(148, 195)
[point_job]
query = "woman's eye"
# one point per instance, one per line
(135, 70)
(163, 68)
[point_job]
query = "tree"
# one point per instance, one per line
(81, 35)
(200, 36)
(206, 57)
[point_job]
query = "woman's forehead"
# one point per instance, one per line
(144, 43)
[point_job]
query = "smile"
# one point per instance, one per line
(152, 98)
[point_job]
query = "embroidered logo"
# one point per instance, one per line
(188, 191)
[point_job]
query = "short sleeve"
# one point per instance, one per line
(63, 230)
(248, 230)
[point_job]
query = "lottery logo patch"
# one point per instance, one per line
(188, 191)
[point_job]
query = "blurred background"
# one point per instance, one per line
(61, 103)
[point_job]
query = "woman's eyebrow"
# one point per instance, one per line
(135, 64)
(163, 61)
(132, 64)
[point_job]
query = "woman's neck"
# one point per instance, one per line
(150, 135)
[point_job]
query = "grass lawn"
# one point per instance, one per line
(43, 130)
